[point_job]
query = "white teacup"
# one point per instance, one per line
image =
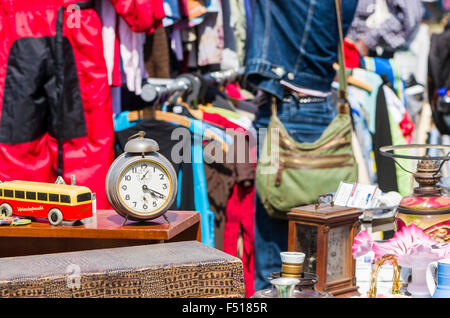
(292, 257)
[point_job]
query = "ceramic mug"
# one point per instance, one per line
(292, 264)
(442, 288)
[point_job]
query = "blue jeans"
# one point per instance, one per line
(305, 123)
(295, 41)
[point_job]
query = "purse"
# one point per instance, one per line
(291, 174)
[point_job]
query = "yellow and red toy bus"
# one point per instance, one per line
(57, 202)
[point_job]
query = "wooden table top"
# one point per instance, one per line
(108, 225)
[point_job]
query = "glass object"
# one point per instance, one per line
(306, 242)
(337, 245)
(285, 286)
(372, 293)
(304, 289)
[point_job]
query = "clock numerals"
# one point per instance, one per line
(144, 187)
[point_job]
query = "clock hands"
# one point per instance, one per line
(145, 174)
(153, 192)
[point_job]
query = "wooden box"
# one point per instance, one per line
(325, 234)
(182, 269)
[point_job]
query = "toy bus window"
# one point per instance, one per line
(53, 197)
(9, 193)
(84, 197)
(20, 194)
(65, 198)
(31, 195)
(1, 192)
(42, 196)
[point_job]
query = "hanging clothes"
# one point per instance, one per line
(367, 100)
(399, 114)
(125, 23)
(231, 184)
(156, 54)
(211, 36)
(390, 69)
(240, 219)
(238, 22)
(56, 113)
(141, 16)
(362, 132)
(386, 170)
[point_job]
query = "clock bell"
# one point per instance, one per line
(325, 234)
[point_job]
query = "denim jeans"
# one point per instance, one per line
(295, 41)
(305, 123)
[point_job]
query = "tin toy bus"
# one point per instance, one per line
(57, 202)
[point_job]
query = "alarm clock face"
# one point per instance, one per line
(145, 187)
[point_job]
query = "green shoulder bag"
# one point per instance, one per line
(291, 174)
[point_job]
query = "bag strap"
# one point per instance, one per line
(343, 106)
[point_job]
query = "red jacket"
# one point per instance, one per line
(141, 15)
(33, 115)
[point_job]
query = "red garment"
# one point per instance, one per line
(407, 128)
(28, 96)
(233, 90)
(240, 210)
(220, 121)
(351, 54)
(240, 214)
(141, 15)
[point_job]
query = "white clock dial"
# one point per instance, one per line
(145, 187)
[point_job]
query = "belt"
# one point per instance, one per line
(307, 99)
(311, 99)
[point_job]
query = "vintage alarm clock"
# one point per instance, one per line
(141, 183)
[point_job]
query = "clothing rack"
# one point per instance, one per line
(155, 88)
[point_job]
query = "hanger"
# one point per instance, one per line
(178, 119)
(355, 82)
(176, 100)
(194, 113)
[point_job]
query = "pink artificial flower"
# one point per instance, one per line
(362, 244)
(443, 250)
(403, 242)
(419, 256)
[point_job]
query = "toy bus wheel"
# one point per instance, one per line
(6, 209)
(55, 216)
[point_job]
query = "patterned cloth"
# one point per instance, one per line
(386, 23)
